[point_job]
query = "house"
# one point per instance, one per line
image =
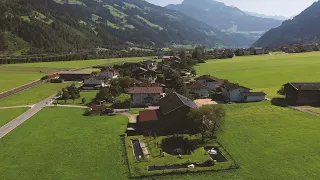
(233, 92)
(198, 90)
(253, 96)
(210, 81)
(174, 110)
(145, 96)
(109, 73)
(148, 120)
(73, 75)
(149, 64)
(93, 83)
(145, 74)
(305, 93)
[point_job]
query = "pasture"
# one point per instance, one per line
(61, 143)
(266, 72)
(9, 114)
(32, 95)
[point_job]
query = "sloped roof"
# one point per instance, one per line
(175, 101)
(232, 86)
(146, 90)
(306, 86)
(196, 85)
(74, 73)
(98, 108)
(149, 115)
(207, 78)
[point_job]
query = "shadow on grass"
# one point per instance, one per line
(281, 102)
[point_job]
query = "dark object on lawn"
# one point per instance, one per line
(177, 145)
(137, 149)
(177, 166)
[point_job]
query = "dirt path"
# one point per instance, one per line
(14, 107)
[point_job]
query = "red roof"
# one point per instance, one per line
(146, 90)
(196, 85)
(98, 108)
(149, 115)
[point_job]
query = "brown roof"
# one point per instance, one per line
(146, 90)
(196, 85)
(149, 115)
(98, 108)
(306, 86)
(207, 78)
(253, 94)
(175, 101)
(74, 72)
(232, 86)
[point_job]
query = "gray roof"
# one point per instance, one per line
(175, 101)
(306, 86)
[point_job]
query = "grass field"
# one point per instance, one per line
(88, 95)
(9, 114)
(12, 77)
(267, 72)
(269, 142)
(33, 95)
(78, 64)
(61, 143)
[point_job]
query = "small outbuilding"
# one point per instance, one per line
(253, 96)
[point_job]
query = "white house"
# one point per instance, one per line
(233, 92)
(210, 82)
(93, 83)
(145, 96)
(198, 89)
(253, 96)
(109, 73)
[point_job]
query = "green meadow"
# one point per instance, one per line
(266, 72)
(61, 143)
(9, 114)
(32, 95)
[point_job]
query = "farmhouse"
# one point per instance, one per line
(73, 75)
(210, 81)
(174, 110)
(144, 96)
(93, 83)
(198, 90)
(306, 93)
(253, 96)
(109, 73)
(233, 92)
(148, 120)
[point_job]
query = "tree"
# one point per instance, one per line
(65, 96)
(73, 96)
(126, 82)
(161, 79)
(177, 84)
(104, 95)
(84, 100)
(208, 119)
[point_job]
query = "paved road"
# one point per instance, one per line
(4, 130)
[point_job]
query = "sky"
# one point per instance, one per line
(285, 8)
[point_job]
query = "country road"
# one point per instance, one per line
(4, 130)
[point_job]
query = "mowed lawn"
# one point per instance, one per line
(32, 95)
(266, 72)
(61, 143)
(269, 142)
(9, 114)
(88, 95)
(12, 77)
(80, 64)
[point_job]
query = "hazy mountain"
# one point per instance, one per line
(281, 18)
(226, 18)
(304, 28)
(68, 25)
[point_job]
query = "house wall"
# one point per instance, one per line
(308, 97)
(140, 99)
(177, 119)
(235, 95)
(254, 98)
(93, 81)
(72, 77)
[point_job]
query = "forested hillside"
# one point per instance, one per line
(303, 28)
(70, 25)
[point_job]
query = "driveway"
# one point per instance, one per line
(201, 102)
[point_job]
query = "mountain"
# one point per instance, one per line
(226, 18)
(281, 18)
(70, 25)
(303, 28)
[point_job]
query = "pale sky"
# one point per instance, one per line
(286, 8)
